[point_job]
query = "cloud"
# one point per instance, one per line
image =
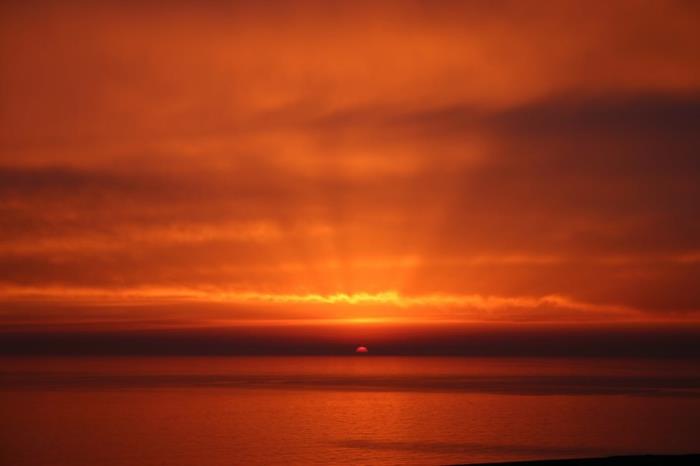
(309, 150)
(235, 305)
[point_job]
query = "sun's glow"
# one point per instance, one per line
(389, 299)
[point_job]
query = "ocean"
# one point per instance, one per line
(360, 410)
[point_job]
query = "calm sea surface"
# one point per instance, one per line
(341, 410)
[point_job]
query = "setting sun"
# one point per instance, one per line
(348, 232)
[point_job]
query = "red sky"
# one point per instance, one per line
(229, 163)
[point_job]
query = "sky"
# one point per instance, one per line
(325, 164)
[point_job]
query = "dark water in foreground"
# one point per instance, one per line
(341, 410)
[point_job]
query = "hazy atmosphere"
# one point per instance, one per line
(348, 232)
(216, 163)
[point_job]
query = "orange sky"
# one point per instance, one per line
(196, 163)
